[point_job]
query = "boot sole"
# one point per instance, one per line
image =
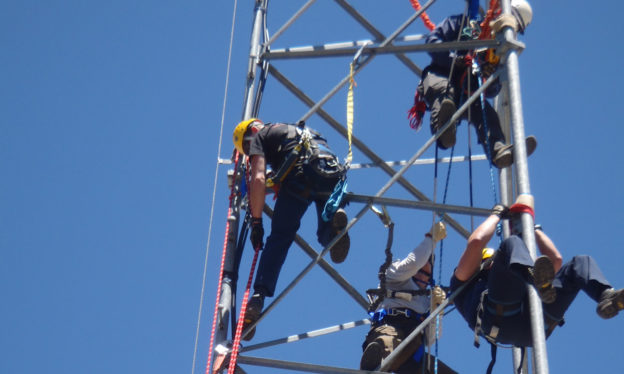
(506, 159)
(340, 250)
(543, 275)
(448, 138)
(611, 307)
(372, 356)
(251, 316)
(338, 253)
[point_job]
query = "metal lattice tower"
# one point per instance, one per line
(265, 69)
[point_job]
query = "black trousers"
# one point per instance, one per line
(507, 285)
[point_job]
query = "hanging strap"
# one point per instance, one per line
(381, 293)
(350, 109)
(493, 348)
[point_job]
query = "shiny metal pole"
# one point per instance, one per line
(227, 300)
(522, 178)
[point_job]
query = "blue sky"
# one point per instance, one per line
(111, 116)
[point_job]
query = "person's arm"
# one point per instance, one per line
(547, 248)
(447, 31)
(258, 187)
(409, 266)
(471, 258)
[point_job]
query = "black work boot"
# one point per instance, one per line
(339, 251)
(372, 356)
(447, 109)
(543, 274)
(502, 156)
(611, 302)
(254, 309)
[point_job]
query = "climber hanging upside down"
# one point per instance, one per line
(495, 304)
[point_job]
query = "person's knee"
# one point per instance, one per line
(512, 243)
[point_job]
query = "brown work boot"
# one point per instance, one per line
(339, 251)
(447, 109)
(254, 309)
(543, 273)
(611, 302)
(372, 356)
(503, 154)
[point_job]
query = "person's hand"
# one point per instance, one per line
(463, 62)
(504, 20)
(501, 211)
(257, 233)
(487, 69)
(438, 231)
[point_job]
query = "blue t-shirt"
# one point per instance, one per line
(467, 301)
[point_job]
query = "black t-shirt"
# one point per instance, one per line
(467, 301)
(274, 142)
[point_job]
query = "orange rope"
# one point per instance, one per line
(425, 18)
(220, 283)
(241, 317)
(493, 11)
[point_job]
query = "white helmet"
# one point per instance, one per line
(521, 9)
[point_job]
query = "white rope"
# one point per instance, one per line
(214, 190)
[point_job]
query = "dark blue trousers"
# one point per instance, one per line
(507, 282)
(290, 206)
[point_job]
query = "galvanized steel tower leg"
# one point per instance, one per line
(228, 297)
(522, 177)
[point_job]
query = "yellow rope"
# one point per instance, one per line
(350, 112)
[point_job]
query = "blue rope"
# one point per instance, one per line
(499, 228)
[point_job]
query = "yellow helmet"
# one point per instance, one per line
(239, 133)
(487, 253)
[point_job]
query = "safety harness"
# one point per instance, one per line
(311, 153)
(500, 310)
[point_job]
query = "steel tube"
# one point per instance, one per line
(328, 51)
(522, 178)
(421, 205)
(289, 22)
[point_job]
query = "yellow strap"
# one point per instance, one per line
(350, 111)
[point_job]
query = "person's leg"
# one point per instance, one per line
(581, 273)
(383, 340)
(379, 343)
(439, 96)
(327, 230)
(287, 213)
(490, 134)
(507, 277)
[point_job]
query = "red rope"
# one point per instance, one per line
(241, 316)
(493, 11)
(216, 308)
(425, 18)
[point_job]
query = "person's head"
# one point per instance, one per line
(423, 276)
(244, 132)
(523, 13)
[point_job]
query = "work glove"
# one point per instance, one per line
(502, 21)
(438, 231)
(463, 62)
(501, 211)
(257, 233)
(487, 70)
